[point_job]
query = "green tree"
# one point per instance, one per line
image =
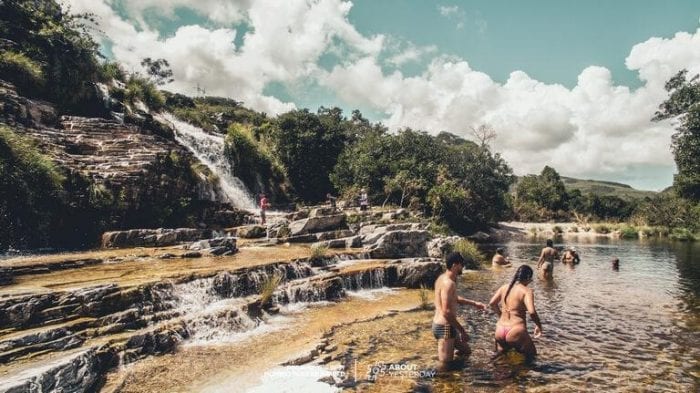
(308, 145)
(684, 103)
(545, 191)
(158, 71)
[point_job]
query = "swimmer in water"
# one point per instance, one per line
(616, 264)
(499, 258)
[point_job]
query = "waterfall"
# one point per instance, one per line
(209, 149)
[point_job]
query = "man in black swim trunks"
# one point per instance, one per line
(446, 328)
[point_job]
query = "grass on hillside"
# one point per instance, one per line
(600, 188)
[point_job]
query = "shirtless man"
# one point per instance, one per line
(499, 259)
(447, 330)
(545, 265)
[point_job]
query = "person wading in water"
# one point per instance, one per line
(512, 302)
(545, 265)
(447, 330)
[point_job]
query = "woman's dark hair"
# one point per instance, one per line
(500, 250)
(523, 273)
(550, 243)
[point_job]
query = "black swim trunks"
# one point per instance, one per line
(444, 331)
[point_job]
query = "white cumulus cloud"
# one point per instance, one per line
(596, 129)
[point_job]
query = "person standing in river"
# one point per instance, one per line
(545, 265)
(446, 328)
(511, 302)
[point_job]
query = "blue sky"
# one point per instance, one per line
(570, 84)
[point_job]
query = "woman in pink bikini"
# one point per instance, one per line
(512, 302)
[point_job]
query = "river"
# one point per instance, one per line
(635, 329)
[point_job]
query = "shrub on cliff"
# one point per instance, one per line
(24, 72)
(254, 164)
(30, 193)
(47, 36)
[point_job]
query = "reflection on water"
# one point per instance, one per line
(636, 329)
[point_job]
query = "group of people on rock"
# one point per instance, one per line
(512, 302)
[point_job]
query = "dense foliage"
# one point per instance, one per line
(308, 146)
(544, 197)
(45, 53)
(684, 103)
(449, 178)
(30, 191)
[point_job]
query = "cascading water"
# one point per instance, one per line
(209, 149)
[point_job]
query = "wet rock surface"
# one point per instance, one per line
(90, 330)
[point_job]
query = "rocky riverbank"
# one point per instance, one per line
(67, 320)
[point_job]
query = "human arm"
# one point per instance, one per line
(473, 303)
(530, 305)
(495, 301)
(541, 260)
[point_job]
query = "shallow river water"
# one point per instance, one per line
(632, 330)
(636, 329)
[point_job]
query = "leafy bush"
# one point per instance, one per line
(111, 71)
(318, 252)
(57, 43)
(269, 286)
(628, 232)
(601, 228)
(25, 73)
(253, 164)
(30, 193)
(423, 297)
(139, 89)
(469, 249)
(682, 234)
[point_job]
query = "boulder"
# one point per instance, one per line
(415, 274)
(251, 231)
(317, 224)
(480, 237)
(439, 247)
(322, 211)
(400, 244)
(152, 237)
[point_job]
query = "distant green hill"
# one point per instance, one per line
(600, 187)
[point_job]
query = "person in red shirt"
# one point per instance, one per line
(263, 206)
